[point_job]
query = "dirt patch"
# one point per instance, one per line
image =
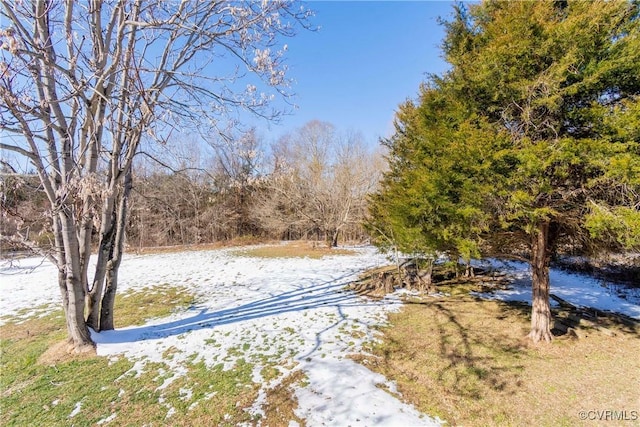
(467, 361)
(60, 352)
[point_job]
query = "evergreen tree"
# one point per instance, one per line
(431, 199)
(536, 132)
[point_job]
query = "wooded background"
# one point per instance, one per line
(309, 184)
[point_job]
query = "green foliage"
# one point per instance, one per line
(538, 120)
(619, 223)
(439, 167)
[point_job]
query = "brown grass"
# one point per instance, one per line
(297, 249)
(281, 402)
(466, 361)
(245, 241)
(272, 249)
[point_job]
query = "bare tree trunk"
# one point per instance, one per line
(425, 275)
(396, 255)
(469, 270)
(109, 298)
(105, 250)
(80, 339)
(61, 264)
(541, 311)
(331, 237)
(84, 238)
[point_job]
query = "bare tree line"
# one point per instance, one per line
(310, 184)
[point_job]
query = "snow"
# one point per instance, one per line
(292, 313)
(107, 420)
(579, 289)
(343, 392)
(27, 283)
(76, 410)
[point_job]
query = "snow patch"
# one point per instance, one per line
(293, 314)
(76, 410)
(579, 289)
(108, 419)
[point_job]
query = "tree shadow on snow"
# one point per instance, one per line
(331, 294)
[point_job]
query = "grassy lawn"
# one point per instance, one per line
(456, 357)
(42, 385)
(466, 361)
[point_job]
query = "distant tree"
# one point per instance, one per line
(167, 208)
(319, 183)
(545, 100)
(22, 211)
(83, 84)
(236, 171)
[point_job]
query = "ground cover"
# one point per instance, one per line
(465, 360)
(257, 340)
(302, 249)
(43, 385)
(220, 337)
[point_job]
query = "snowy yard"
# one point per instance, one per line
(579, 289)
(293, 312)
(278, 310)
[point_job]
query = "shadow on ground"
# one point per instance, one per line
(331, 294)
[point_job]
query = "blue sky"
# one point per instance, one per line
(366, 58)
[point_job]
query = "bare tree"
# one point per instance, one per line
(83, 84)
(170, 195)
(235, 172)
(319, 183)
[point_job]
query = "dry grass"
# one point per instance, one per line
(244, 241)
(282, 402)
(271, 249)
(466, 361)
(59, 353)
(297, 249)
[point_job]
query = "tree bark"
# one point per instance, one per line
(425, 275)
(73, 287)
(61, 265)
(469, 272)
(105, 252)
(109, 298)
(334, 238)
(540, 258)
